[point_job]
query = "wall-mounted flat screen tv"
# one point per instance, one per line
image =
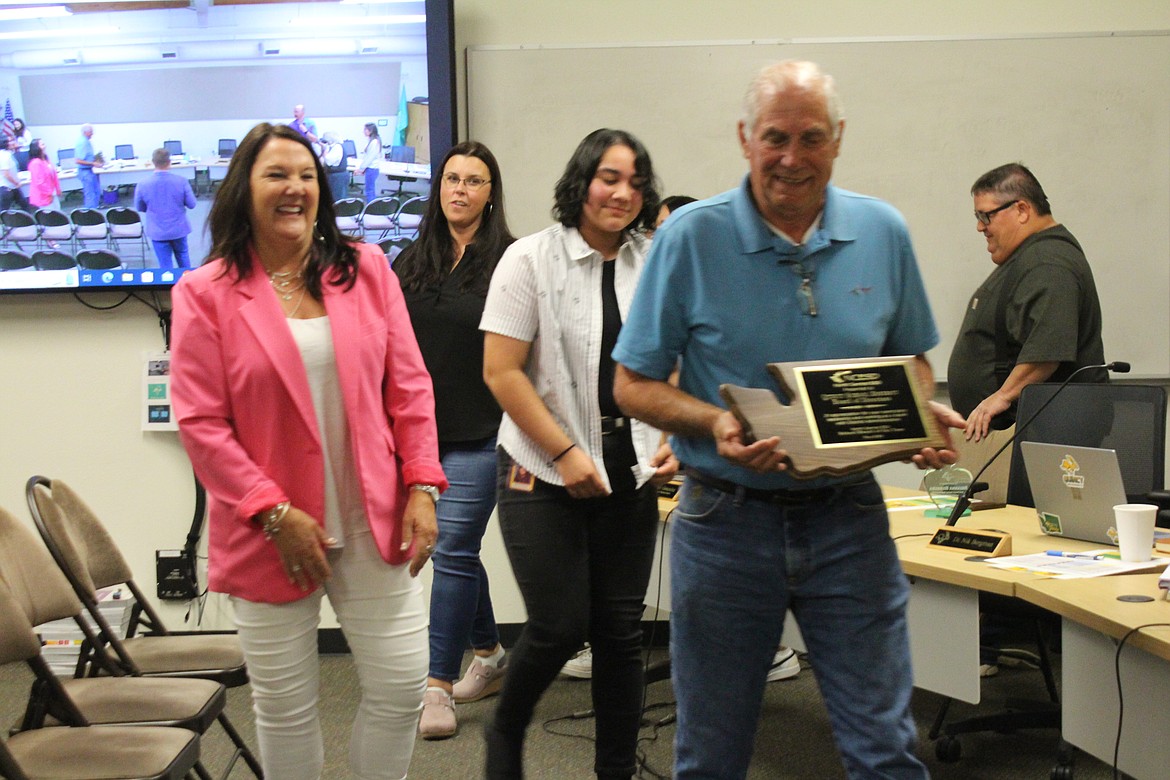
(399, 66)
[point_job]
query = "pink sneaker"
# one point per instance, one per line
(438, 715)
(480, 681)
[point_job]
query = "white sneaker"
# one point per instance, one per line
(580, 665)
(785, 665)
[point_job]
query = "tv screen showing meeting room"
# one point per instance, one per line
(199, 111)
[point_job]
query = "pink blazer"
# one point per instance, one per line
(43, 183)
(246, 415)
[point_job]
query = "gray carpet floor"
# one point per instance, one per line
(792, 742)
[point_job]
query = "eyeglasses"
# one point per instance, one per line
(984, 217)
(804, 293)
(471, 182)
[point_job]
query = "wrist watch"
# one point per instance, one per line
(430, 490)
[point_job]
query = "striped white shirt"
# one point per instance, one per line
(546, 291)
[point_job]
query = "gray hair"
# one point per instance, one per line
(782, 75)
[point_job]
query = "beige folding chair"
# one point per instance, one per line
(41, 591)
(80, 751)
(87, 556)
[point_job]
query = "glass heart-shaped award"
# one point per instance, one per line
(945, 486)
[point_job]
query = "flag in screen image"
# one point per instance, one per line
(401, 120)
(8, 125)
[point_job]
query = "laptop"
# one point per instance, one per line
(1074, 490)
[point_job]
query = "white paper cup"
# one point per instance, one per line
(1135, 530)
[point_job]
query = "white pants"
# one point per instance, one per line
(381, 611)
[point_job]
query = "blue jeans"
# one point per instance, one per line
(461, 604)
(737, 565)
(171, 251)
(582, 566)
(371, 183)
(91, 188)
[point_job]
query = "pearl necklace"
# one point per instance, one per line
(287, 283)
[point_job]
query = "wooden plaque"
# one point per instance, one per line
(844, 416)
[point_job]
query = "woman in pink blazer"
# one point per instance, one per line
(307, 411)
(44, 189)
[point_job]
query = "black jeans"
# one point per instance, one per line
(582, 566)
(13, 198)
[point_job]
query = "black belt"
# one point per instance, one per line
(613, 424)
(783, 496)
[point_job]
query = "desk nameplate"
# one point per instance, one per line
(989, 544)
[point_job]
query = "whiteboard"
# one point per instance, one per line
(1090, 115)
(201, 93)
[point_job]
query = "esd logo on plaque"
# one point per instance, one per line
(843, 416)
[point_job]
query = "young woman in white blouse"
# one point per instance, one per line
(576, 481)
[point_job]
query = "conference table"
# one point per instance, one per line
(943, 615)
(121, 173)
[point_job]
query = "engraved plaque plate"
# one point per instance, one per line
(844, 416)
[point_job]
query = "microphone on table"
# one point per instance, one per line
(1118, 367)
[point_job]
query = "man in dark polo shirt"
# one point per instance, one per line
(1036, 317)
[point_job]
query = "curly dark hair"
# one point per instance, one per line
(230, 219)
(573, 188)
(425, 263)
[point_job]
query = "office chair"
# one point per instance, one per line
(12, 260)
(348, 212)
(81, 751)
(43, 594)
(349, 148)
(409, 216)
(402, 154)
(1130, 419)
(89, 225)
(99, 260)
(55, 227)
(86, 554)
(125, 225)
(202, 184)
(378, 216)
(1127, 418)
(53, 260)
(19, 228)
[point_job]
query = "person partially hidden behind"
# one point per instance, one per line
(785, 664)
(728, 288)
(165, 198)
(1036, 318)
(445, 276)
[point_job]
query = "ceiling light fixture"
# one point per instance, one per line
(43, 12)
(358, 21)
(88, 32)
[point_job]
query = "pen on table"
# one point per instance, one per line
(1062, 554)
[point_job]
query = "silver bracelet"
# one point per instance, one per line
(272, 519)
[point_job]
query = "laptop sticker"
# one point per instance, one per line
(1049, 523)
(1070, 467)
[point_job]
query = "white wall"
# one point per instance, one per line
(69, 378)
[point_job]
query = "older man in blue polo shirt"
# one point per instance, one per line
(165, 198)
(783, 268)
